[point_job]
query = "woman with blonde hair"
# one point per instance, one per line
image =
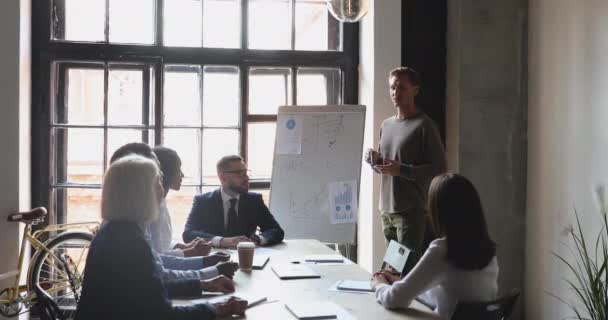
(122, 279)
(459, 266)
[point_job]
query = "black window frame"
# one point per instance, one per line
(46, 52)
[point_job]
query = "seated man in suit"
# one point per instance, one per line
(232, 214)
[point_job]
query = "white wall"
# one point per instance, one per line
(380, 52)
(568, 137)
(14, 123)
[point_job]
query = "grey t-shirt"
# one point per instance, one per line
(415, 143)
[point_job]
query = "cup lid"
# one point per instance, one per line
(245, 245)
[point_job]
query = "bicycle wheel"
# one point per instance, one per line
(60, 270)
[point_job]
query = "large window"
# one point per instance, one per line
(204, 77)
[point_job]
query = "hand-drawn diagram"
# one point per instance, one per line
(328, 129)
(308, 208)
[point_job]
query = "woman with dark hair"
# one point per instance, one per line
(161, 230)
(459, 266)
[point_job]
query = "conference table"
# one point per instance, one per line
(278, 292)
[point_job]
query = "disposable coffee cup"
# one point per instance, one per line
(246, 251)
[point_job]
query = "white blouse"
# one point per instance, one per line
(161, 232)
(441, 283)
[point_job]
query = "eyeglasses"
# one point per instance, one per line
(240, 172)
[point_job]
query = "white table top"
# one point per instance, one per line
(266, 283)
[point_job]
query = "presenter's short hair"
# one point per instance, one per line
(412, 75)
(130, 190)
(224, 161)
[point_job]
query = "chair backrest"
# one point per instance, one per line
(395, 256)
(47, 307)
(499, 309)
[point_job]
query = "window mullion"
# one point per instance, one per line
(159, 27)
(293, 23)
(201, 77)
(106, 30)
(294, 87)
(244, 23)
(244, 80)
(106, 88)
(145, 103)
(158, 102)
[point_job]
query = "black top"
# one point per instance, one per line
(122, 280)
(206, 219)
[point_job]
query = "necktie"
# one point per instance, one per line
(231, 229)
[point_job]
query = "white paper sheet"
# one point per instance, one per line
(289, 135)
(343, 201)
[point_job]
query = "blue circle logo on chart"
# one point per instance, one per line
(338, 208)
(348, 207)
(290, 124)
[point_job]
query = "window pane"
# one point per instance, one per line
(314, 29)
(127, 28)
(82, 205)
(221, 96)
(119, 137)
(179, 204)
(81, 20)
(222, 26)
(125, 89)
(182, 23)
(269, 89)
(84, 101)
(260, 137)
(78, 155)
(182, 96)
(186, 142)
(318, 86)
(269, 24)
(216, 144)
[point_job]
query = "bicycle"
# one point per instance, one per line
(57, 263)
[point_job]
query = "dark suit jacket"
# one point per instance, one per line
(122, 280)
(206, 218)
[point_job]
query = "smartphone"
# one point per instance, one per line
(376, 158)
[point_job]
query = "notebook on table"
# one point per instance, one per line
(324, 258)
(354, 285)
(288, 271)
(313, 310)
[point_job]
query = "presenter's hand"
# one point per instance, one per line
(231, 242)
(371, 156)
(232, 306)
(200, 248)
(389, 168)
(378, 279)
(215, 258)
(227, 268)
(218, 284)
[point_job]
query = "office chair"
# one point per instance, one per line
(47, 307)
(499, 309)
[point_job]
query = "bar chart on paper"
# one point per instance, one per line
(342, 203)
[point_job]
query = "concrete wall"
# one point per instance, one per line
(380, 52)
(15, 57)
(486, 118)
(568, 138)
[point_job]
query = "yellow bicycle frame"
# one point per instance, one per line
(34, 239)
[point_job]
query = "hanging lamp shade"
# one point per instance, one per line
(348, 10)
